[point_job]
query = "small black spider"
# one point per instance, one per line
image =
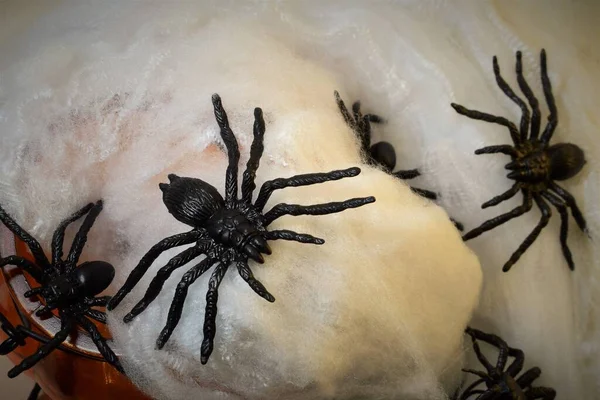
(227, 231)
(535, 164)
(65, 286)
(381, 154)
(503, 384)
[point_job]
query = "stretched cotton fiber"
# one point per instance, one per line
(104, 100)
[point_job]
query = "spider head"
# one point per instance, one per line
(566, 160)
(190, 200)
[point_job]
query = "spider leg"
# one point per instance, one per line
(457, 224)
(247, 275)
(546, 214)
(179, 299)
(496, 341)
(478, 115)
(34, 245)
(35, 392)
(547, 86)
(572, 204)
(509, 92)
(138, 272)
(269, 187)
(528, 377)
(517, 365)
(499, 220)
(541, 393)
(34, 291)
(363, 125)
(467, 392)
(43, 351)
(318, 209)
(533, 102)
(161, 277)
(510, 193)
(59, 234)
(210, 315)
(256, 151)
(81, 236)
(100, 343)
(97, 315)
(25, 265)
(101, 301)
(291, 235)
(564, 226)
(233, 151)
(480, 374)
(14, 339)
(374, 118)
(428, 194)
(503, 148)
(343, 109)
(407, 174)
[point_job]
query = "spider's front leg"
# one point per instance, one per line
(542, 393)
(58, 237)
(81, 236)
(318, 209)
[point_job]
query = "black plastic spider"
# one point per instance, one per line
(381, 154)
(535, 164)
(65, 286)
(503, 384)
(226, 231)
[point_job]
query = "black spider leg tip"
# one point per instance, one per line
(101, 344)
(35, 392)
(478, 115)
(14, 339)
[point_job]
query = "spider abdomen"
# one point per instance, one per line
(566, 160)
(190, 200)
(232, 228)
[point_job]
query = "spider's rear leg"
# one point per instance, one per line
(533, 102)
(179, 299)
(564, 226)
(572, 204)
(525, 380)
(496, 341)
(25, 265)
(510, 193)
(233, 151)
(81, 236)
(501, 219)
(138, 272)
(161, 277)
(542, 393)
(44, 350)
(547, 86)
(468, 391)
(256, 151)
(34, 245)
(428, 194)
(101, 344)
(524, 127)
(546, 214)
(481, 116)
(407, 174)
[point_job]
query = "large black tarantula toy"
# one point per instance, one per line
(227, 231)
(381, 154)
(64, 286)
(535, 165)
(503, 384)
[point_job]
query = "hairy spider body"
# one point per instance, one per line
(64, 286)
(380, 154)
(501, 383)
(535, 164)
(227, 231)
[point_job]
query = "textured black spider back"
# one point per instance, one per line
(191, 200)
